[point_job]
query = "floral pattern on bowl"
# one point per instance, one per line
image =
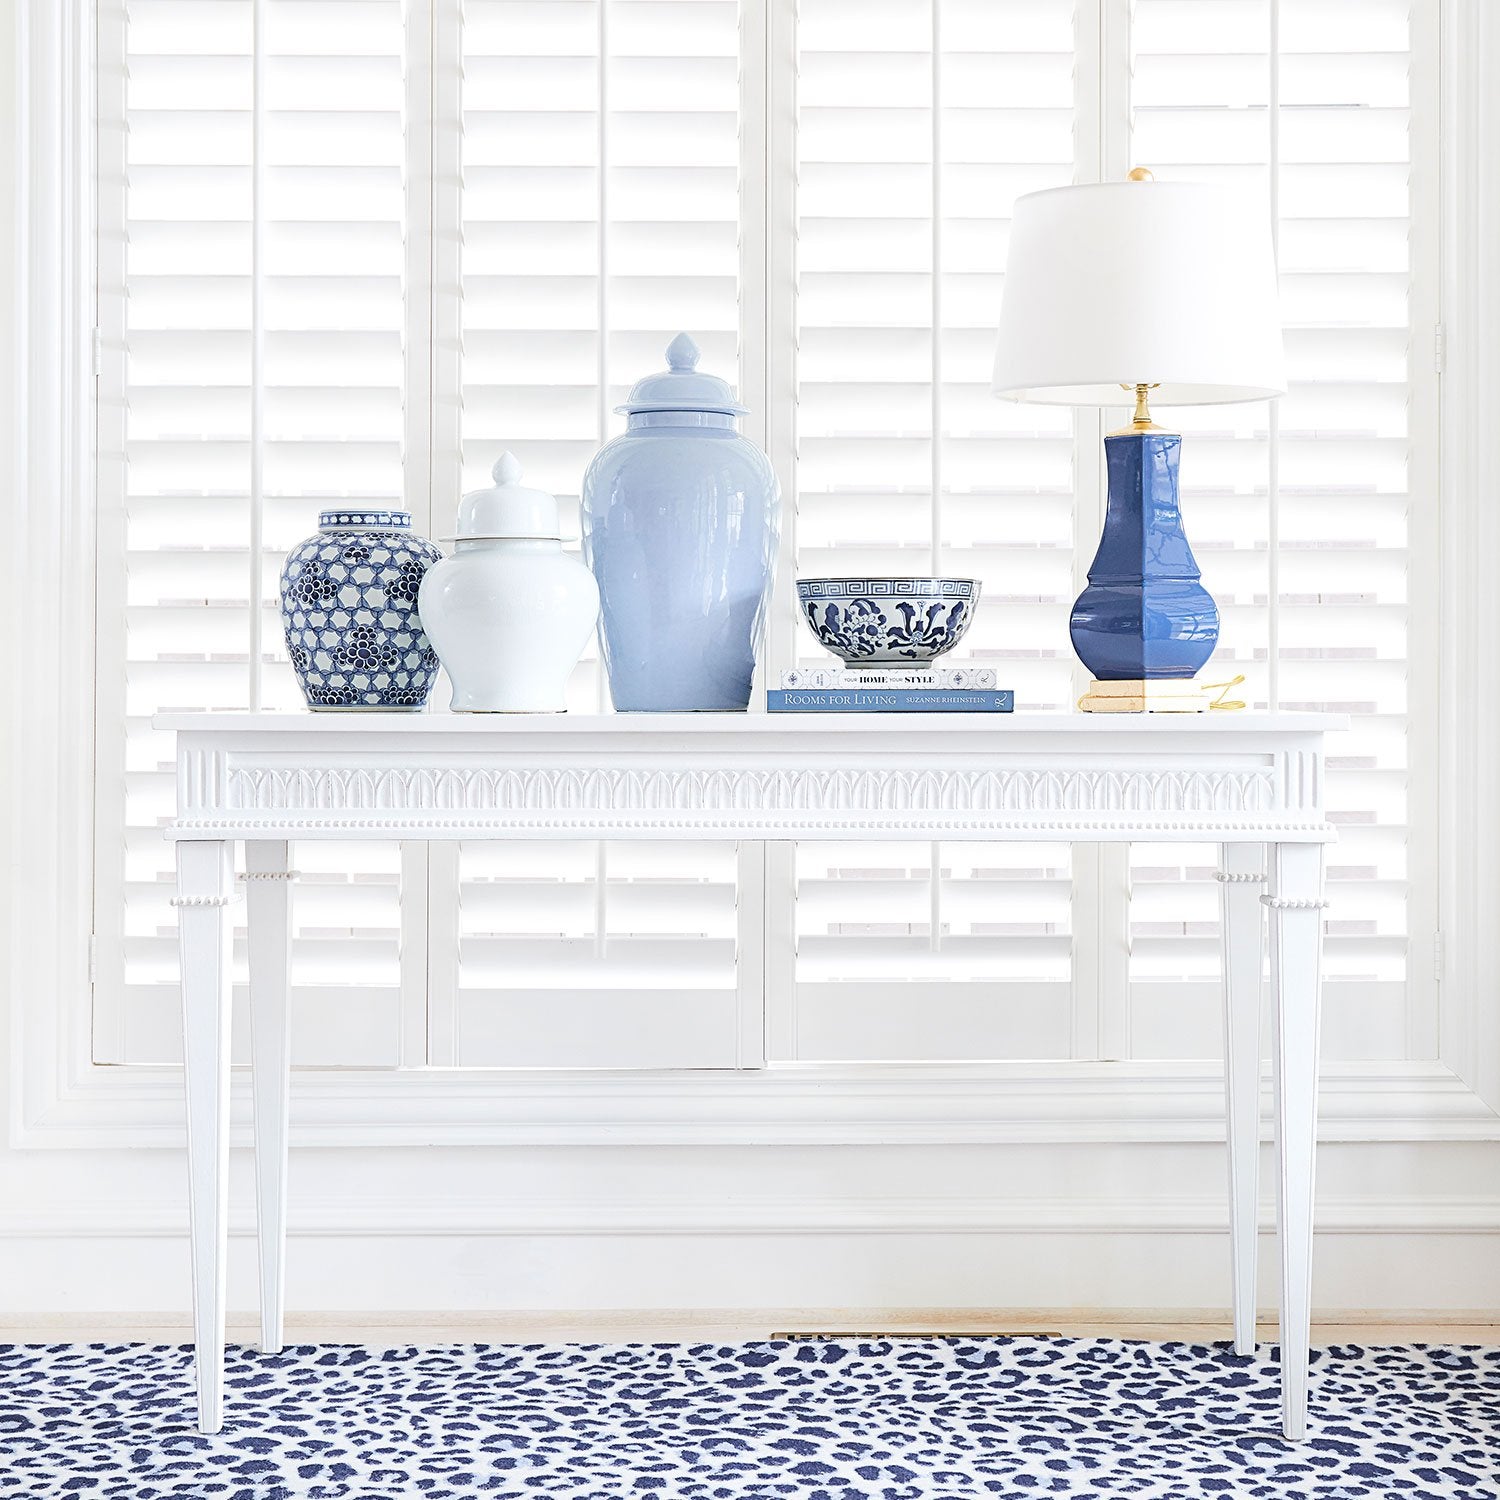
(888, 621)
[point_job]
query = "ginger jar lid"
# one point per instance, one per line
(507, 510)
(682, 386)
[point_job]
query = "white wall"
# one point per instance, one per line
(479, 1229)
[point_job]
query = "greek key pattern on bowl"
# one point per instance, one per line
(885, 588)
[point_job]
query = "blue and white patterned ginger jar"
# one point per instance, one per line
(681, 517)
(349, 608)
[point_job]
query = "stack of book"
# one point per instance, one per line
(955, 689)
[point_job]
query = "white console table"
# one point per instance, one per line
(1251, 783)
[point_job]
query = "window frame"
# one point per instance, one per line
(61, 1099)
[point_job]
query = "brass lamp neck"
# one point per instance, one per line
(1141, 421)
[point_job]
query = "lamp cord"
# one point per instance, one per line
(1223, 687)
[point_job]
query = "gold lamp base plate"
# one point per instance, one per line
(1157, 696)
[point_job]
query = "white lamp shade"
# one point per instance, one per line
(1117, 283)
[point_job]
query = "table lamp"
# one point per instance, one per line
(1167, 291)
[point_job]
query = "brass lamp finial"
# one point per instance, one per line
(1140, 174)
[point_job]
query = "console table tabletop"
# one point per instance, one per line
(1252, 783)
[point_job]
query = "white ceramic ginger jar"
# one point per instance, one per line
(510, 612)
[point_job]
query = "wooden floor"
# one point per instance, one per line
(1343, 1327)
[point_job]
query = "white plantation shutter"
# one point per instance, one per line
(251, 343)
(917, 129)
(351, 249)
(600, 168)
(1306, 522)
(599, 165)
(1311, 526)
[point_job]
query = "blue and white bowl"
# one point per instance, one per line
(888, 622)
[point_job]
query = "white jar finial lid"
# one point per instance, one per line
(508, 509)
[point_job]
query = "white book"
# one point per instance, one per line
(943, 676)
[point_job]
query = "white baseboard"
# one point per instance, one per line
(375, 1325)
(505, 1258)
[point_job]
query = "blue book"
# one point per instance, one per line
(891, 700)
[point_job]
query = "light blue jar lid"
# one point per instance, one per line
(681, 387)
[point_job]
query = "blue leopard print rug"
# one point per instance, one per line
(853, 1419)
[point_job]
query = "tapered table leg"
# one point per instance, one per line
(269, 922)
(1296, 903)
(1242, 879)
(205, 877)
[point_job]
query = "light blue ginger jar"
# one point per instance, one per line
(681, 517)
(349, 609)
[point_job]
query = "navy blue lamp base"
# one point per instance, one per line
(1144, 616)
